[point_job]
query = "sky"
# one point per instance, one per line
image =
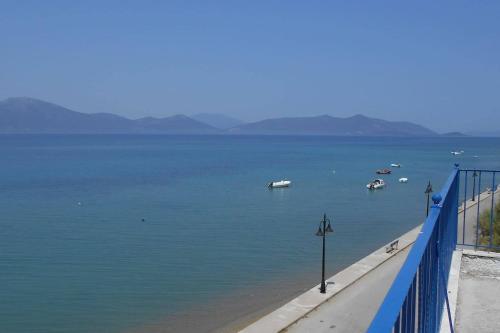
(435, 63)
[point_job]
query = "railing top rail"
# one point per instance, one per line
(390, 308)
(479, 170)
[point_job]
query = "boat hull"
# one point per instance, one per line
(376, 184)
(383, 172)
(280, 184)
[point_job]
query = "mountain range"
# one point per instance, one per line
(357, 125)
(28, 115)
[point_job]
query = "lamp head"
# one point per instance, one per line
(320, 232)
(429, 188)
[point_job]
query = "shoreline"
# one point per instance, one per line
(259, 302)
(306, 303)
(212, 317)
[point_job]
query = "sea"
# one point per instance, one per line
(132, 233)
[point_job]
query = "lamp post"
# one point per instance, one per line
(322, 230)
(474, 175)
(428, 191)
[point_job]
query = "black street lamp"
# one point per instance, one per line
(322, 230)
(428, 191)
(474, 175)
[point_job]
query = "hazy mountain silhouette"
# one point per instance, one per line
(484, 133)
(217, 120)
(29, 115)
(174, 124)
(357, 125)
(454, 134)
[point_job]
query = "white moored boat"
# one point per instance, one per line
(376, 184)
(403, 180)
(281, 183)
(395, 165)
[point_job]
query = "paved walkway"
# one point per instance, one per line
(353, 309)
(351, 300)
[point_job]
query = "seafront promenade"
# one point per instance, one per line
(351, 300)
(355, 294)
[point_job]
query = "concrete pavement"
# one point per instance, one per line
(477, 305)
(353, 309)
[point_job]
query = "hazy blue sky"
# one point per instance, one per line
(436, 63)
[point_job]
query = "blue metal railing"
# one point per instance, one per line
(416, 298)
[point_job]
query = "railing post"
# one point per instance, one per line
(478, 211)
(492, 212)
(454, 210)
(440, 277)
(437, 199)
(465, 206)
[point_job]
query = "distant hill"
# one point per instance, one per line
(484, 133)
(217, 120)
(454, 134)
(29, 115)
(174, 124)
(357, 125)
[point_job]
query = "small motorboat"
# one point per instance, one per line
(395, 165)
(281, 183)
(376, 184)
(383, 171)
(403, 180)
(457, 152)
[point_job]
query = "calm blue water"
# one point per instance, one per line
(75, 255)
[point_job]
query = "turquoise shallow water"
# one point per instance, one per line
(76, 256)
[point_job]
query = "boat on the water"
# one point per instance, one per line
(457, 152)
(403, 180)
(395, 165)
(383, 171)
(278, 184)
(376, 184)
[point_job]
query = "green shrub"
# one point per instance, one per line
(485, 232)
